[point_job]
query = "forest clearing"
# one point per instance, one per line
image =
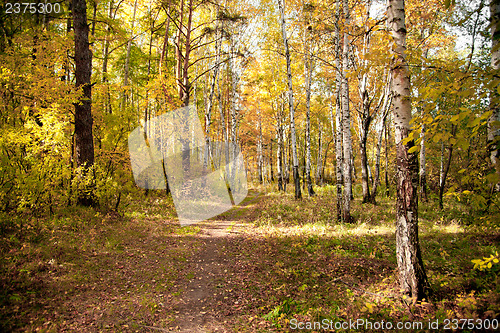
(249, 165)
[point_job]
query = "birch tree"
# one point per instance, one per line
(338, 115)
(412, 277)
(296, 175)
(346, 121)
(308, 68)
(493, 127)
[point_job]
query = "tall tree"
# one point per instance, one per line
(296, 175)
(412, 277)
(338, 115)
(308, 69)
(493, 127)
(346, 121)
(84, 145)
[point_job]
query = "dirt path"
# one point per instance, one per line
(197, 310)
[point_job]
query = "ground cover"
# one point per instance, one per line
(263, 266)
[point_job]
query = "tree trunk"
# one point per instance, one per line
(208, 109)
(337, 131)
(129, 48)
(423, 170)
(185, 83)
(259, 150)
(412, 277)
(493, 127)
(308, 63)
(365, 126)
(376, 181)
(319, 160)
(444, 171)
(296, 175)
(385, 111)
(386, 169)
(84, 145)
(346, 122)
(279, 153)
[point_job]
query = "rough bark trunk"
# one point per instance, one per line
(412, 277)
(296, 175)
(84, 145)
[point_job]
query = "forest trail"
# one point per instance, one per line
(196, 309)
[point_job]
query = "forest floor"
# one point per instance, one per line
(263, 266)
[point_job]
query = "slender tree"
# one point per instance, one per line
(346, 121)
(412, 277)
(338, 115)
(308, 68)
(296, 175)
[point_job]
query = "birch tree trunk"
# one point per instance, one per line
(387, 98)
(296, 175)
(338, 117)
(493, 128)
(346, 122)
(84, 144)
(308, 63)
(412, 277)
(208, 109)
(279, 152)
(376, 181)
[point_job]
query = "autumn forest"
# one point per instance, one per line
(368, 133)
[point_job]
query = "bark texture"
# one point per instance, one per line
(493, 128)
(412, 277)
(346, 123)
(84, 144)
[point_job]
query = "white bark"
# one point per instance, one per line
(493, 128)
(346, 121)
(412, 277)
(296, 175)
